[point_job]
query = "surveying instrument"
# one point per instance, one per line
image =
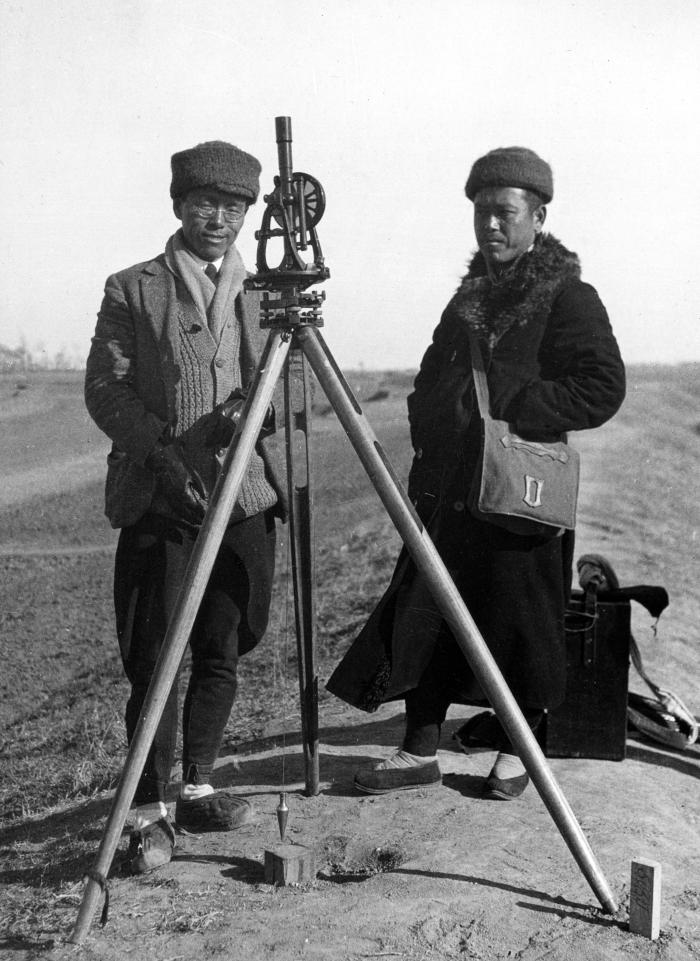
(292, 314)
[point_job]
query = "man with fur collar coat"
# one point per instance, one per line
(178, 337)
(553, 366)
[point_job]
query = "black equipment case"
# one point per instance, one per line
(592, 721)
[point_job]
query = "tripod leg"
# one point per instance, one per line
(298, 406)
(452, 606)
(186, 606)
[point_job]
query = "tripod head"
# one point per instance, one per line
(292, 211)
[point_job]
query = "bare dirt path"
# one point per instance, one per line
(71, 550)
(62, 474)
(468, 878)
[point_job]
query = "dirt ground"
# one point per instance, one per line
(431, 874)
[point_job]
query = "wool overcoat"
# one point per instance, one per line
(553, 366)
(132, 375)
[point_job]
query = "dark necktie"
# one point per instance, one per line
(212, 273)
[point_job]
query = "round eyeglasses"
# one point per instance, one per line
(205, 209)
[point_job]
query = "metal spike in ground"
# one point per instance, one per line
(282, 813)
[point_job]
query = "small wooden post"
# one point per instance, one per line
(645, 898)
(289, 864)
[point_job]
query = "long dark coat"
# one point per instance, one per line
(553, 367)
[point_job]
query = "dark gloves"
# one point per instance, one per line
(224, 418)
(180, 485)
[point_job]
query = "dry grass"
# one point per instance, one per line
(191, 911)
(62, 706)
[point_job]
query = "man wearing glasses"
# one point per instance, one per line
(178, 338)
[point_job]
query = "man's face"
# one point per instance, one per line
(504, 224)
(211, 220)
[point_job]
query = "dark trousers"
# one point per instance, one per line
(473, 551)
(446, 680)
(150, 564)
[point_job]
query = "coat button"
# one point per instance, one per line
(419, 453)
(459, 505)
(219, 362)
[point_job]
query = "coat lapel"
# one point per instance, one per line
(159, 303)
(161, 313)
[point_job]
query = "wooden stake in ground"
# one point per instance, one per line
(289, 864)
(645, 898)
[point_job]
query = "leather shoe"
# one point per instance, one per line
(214, 812)
(372, 780)
(505, 789)
(151, 847)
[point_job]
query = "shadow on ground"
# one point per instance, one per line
(59, 848)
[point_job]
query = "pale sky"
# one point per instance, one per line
(391, 101)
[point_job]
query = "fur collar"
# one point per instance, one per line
(527, 289)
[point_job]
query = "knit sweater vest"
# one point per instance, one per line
(208, 373)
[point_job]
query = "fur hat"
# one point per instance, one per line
(511, 167)
(215, 164)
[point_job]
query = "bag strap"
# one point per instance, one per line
(666, 703)
(479, 373)
(636, 658)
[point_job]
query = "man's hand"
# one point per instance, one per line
(180, 486)
(224, 419)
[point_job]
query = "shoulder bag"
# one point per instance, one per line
(528, 487)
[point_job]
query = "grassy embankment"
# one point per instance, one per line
(62, 685)
(62, 688)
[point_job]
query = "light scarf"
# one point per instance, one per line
(214, 302)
